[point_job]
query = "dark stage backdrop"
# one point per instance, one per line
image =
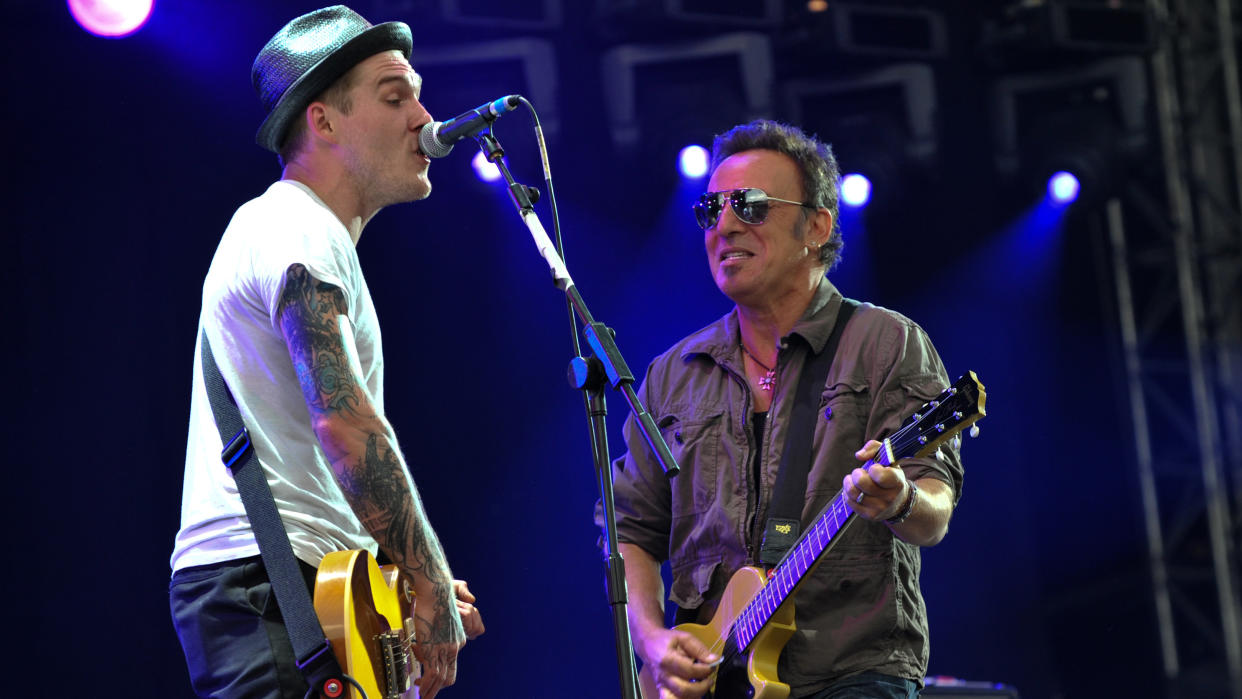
(126, 161)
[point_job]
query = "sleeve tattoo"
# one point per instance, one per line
(371, 472)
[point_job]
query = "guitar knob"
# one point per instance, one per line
(974, 430)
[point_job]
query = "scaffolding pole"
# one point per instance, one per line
(1191, 279)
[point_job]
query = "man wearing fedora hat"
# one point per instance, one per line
(290, 321)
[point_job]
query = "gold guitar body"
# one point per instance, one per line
(366, 613)
(755, 667)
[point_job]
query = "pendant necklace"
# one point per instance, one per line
(767, 380)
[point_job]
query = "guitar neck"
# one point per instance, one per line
(955, 409)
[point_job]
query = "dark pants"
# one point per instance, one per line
(869, 685)
(232, 633)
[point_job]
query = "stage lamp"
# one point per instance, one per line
(1090, 120)
(692, 161)
(881, 123)
(112, 19)
(855, 190)
(1063, 188)
(485, 169)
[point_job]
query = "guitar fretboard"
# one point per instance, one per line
(786, 576)
(921, 435)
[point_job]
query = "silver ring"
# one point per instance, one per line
(861, 495)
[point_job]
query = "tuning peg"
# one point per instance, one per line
(974, 430)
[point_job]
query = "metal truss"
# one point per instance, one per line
(1176, 253)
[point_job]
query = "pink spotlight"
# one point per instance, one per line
(112, 19)
(487, 171)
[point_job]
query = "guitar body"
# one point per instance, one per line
(750, 674)
(366, 613)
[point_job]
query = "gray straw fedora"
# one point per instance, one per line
(307, 55)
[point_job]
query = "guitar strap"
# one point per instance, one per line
(785, 510)
(315, 658)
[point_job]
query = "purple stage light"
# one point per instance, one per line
(1063, 188)
(855, 190)
(112, 19)
(487, 171)
(692, 161)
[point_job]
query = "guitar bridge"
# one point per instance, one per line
(397, 665)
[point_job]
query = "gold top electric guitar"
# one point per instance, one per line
(367, 615)
(755, 617)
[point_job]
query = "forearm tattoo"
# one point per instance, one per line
(374, 482)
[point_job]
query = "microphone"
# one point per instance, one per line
(437, 138)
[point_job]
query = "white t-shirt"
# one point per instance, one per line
(287, 225)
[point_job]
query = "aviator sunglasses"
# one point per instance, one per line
(750, 205)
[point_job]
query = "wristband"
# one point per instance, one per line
(905, 511)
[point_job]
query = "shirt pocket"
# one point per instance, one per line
(694, 436)
(845, 398)
(844, 408)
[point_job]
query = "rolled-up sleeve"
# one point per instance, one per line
(915, 375)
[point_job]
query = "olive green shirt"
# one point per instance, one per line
(861, 609)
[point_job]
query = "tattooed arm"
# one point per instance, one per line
(362, 448)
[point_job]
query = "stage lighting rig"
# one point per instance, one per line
(1089, 120)
(1043, 33)
(470, 73)
(504, 15)
(681, 18)
(881, 123)
(690, 89)
(866, 30)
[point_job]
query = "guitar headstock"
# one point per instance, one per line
(956, 408)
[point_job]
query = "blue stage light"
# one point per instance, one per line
(855, 190)
(487, 171)
(1063, 187)
(111, 18)
(692, 161)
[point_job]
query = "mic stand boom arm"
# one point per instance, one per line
(587, 374)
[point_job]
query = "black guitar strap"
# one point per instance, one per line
(785, 510)
(310, 645)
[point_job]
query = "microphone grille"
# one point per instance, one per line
(429, 142)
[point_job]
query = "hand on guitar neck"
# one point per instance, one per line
(882, 493)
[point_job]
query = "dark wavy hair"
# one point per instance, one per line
(816, 164)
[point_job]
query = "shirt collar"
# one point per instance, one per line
(719, 340)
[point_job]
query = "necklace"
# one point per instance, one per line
(767, 380)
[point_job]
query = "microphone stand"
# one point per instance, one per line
(589, 374)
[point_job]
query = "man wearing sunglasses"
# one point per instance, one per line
(723, 398)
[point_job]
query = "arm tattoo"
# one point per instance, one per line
(374, 482)
(310, 312)
(390, 508)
